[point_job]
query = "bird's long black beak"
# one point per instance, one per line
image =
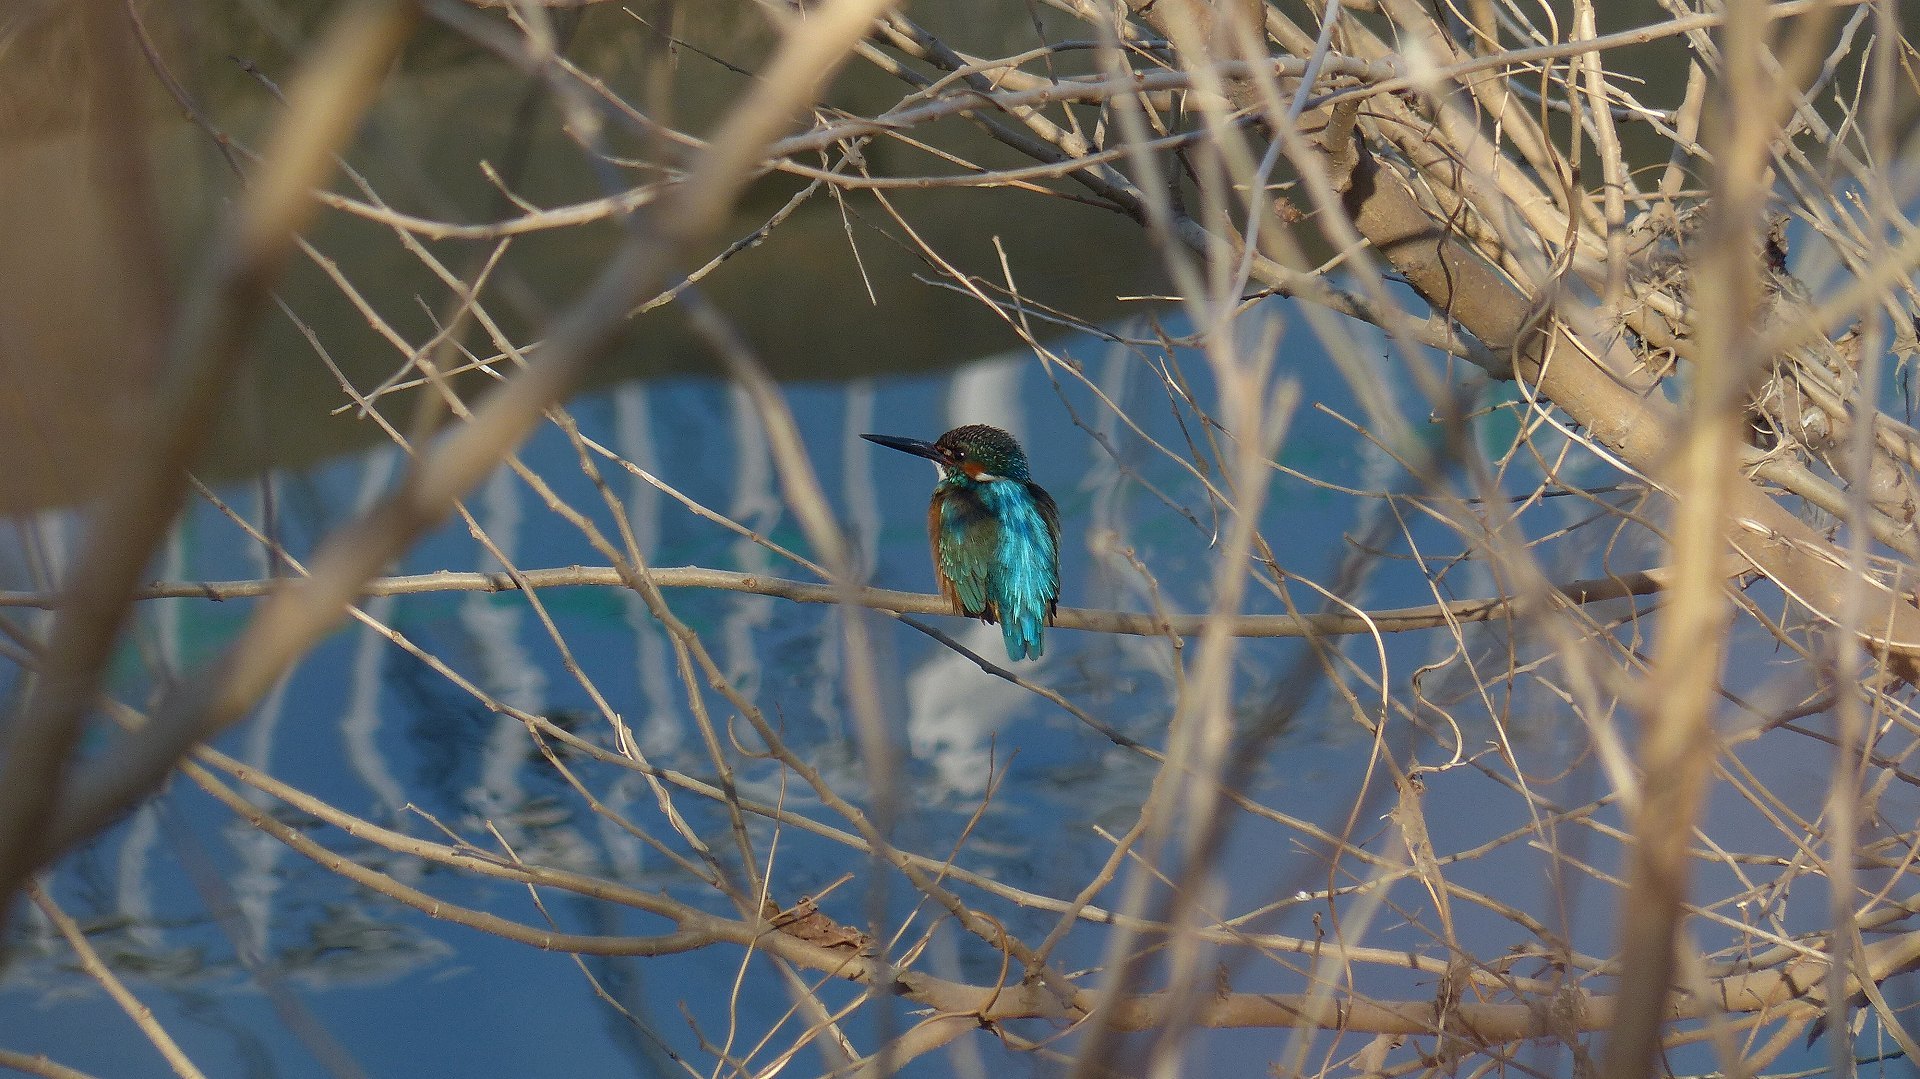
(907, 445)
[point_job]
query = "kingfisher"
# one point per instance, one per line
(995, 532)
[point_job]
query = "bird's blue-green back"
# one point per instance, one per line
(996, 538)
(995, 532)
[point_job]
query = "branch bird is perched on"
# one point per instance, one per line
(995, 532)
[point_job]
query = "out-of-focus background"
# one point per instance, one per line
(1444, 807)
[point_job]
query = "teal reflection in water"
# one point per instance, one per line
(425, 731)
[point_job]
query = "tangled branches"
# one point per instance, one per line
(1529, 284)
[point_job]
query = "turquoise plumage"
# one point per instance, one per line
(995, 533)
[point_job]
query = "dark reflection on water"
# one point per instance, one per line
(378, 732)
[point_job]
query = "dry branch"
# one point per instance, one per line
(334, 89)
(294, 619)
(1331, 624)
(1449, 182)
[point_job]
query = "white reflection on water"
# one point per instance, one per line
(505, 665)
(659, 730)
(404, 736)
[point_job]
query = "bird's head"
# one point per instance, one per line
(978, 452)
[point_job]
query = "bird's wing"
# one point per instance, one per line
(966, 539)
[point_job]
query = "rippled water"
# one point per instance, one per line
(379, 733)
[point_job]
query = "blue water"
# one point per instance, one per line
(262, 963)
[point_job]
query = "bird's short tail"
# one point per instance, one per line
(1024, 636)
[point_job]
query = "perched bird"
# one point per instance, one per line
(995, 532)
